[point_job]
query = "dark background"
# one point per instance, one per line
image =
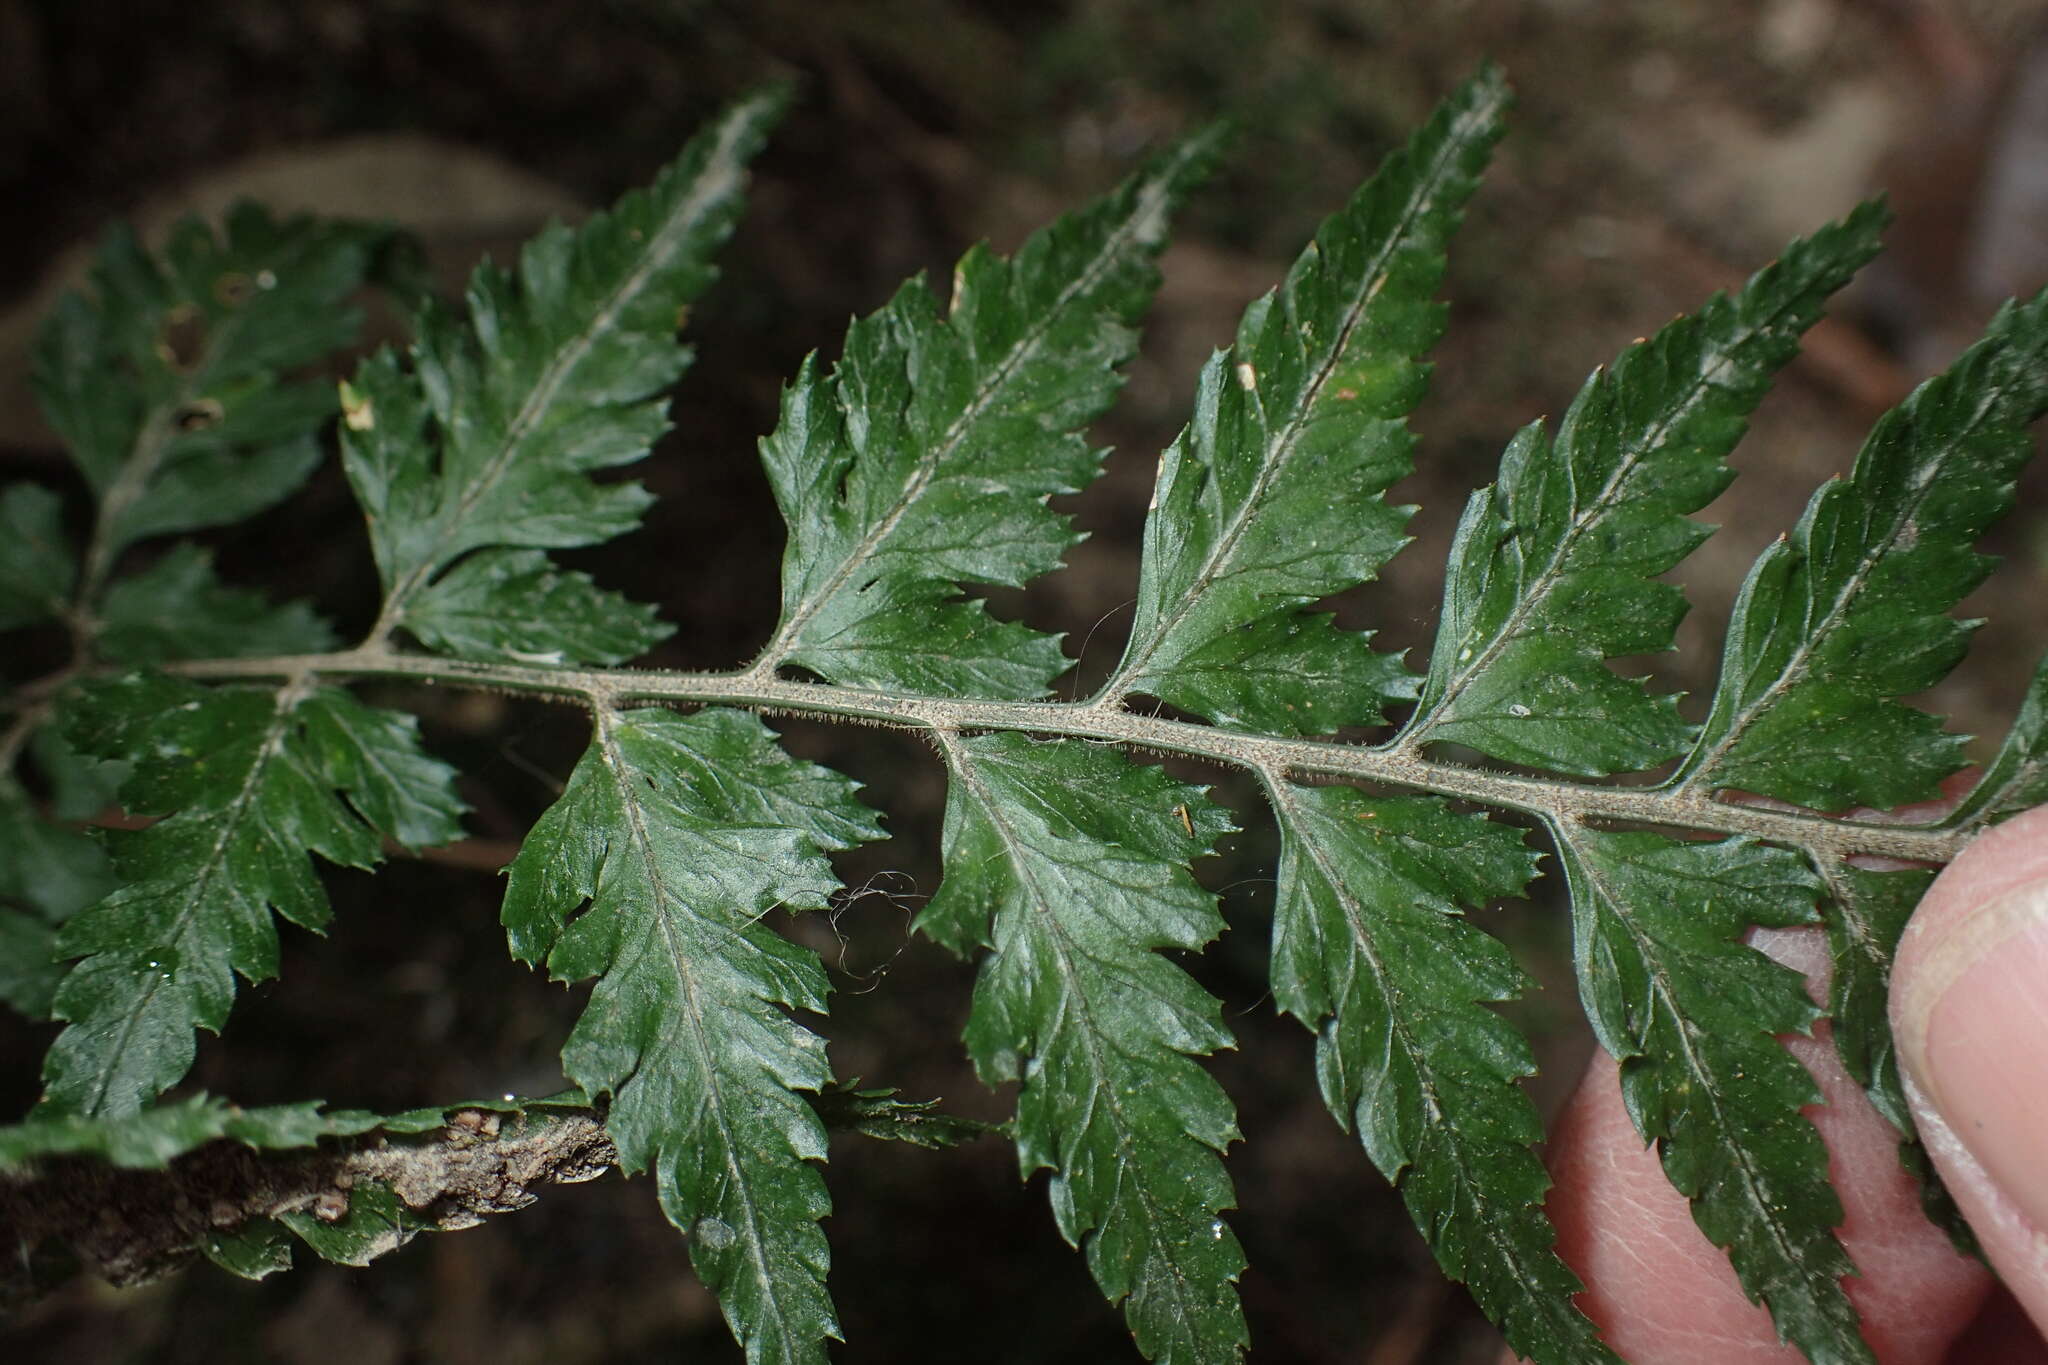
(1661, 149)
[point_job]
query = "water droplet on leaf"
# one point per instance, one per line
(715, 1233)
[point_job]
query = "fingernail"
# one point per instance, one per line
(1972, 1031)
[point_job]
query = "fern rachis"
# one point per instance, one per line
(916, 466)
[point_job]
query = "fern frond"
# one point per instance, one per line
(203, 432)
(1691, 1013)
(1369, 949)
(178, 608)
(911, 472)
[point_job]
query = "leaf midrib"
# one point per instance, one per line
(598, 688)
(1527, 602)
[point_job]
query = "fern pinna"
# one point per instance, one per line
(912, 470)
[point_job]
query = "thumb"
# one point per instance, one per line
(1969, 1007)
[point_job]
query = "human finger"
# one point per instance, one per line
(1661, 1292)
(1970, 1013)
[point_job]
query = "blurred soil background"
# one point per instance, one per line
(1661, 149)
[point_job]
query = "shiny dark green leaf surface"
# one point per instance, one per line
(1691, 1013)
(1852, 611)
(1273, 496)
(204, 432)
(924, 458)
(1070, 864)
(515, 604)
(248, 781)
(675, 834)
(559, 371)
(1371, 949)
(914, 472)
(1554, 567)
(179, 609)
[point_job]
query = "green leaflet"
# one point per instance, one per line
(675, 834)
(1552, 569)
(1691, 1013)
(256, 1250)
(559, 371)
(1370, 950)
(37, 566)
(202, 433)
(515, 604)
(1272, 498)
(1853, 610)
(925, 458)
(248, 781)
(178, 609)
(1071, 864)
(377, 1223)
